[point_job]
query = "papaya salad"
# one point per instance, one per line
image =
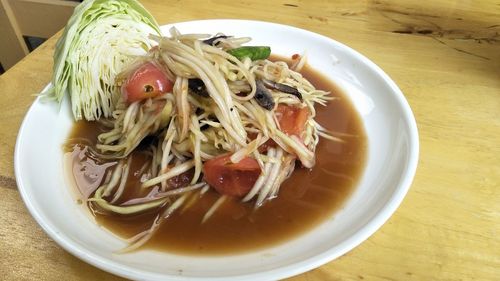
(209, 111)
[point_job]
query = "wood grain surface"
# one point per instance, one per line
(444, 55)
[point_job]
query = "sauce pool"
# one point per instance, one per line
(306, 199)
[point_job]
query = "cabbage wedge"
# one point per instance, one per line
(100, 39)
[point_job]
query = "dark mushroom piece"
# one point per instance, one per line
(211, 41)
(198, 87)
(282, 88)
(263, 96)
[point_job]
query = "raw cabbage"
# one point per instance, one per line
(100, 39)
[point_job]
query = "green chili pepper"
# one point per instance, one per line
(252, 52)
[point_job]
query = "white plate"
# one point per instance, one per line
(391, 164)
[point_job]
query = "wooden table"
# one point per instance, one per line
(444, 55)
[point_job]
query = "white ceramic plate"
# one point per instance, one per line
(392, 160)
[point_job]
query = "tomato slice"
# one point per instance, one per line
(233, 179)
(292, 119)
(147, 81)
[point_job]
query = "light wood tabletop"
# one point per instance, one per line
(445, 57)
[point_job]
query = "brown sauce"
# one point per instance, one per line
(306, 199)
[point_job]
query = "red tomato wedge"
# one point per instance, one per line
(233, 179)
(147, 81)
(292, 119)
